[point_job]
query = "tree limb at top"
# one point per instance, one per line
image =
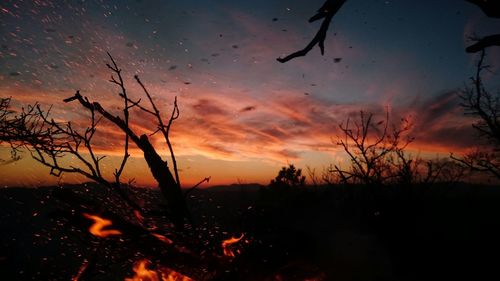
(483, 43)
(327, 11)
(490, 7)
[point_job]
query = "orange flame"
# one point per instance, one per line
(226, 243)
(142, 273)
(100, 223)
(171, 275)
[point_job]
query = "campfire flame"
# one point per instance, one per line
(142, 273)
(171, 275)
(99, 223)
(226, 243)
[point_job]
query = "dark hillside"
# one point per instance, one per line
(324, 233)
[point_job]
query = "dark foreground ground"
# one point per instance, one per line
(337, 233)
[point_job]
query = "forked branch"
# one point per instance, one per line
(326, 12)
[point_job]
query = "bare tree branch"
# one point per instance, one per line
(164, 129)
(478, 101)
(483, 43)
(326, 12)
(207, 179)
(481, 103)
(114, 68)
(373, 150)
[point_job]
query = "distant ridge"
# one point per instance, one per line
(236, 187)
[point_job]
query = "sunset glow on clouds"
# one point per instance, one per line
(243, 115)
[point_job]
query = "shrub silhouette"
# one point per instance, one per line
(288, 177)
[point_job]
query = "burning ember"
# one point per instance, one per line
(162, 238)
(142, 273)
(100, 223)
(138, 216)
(226, 243)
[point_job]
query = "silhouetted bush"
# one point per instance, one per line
(288, 177)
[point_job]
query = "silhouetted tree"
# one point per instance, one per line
(15, 126)
(5, 120)
(8, 123)
(483, 104)
(377, 156)
(288, 177)
(49, 141)
(374, 150)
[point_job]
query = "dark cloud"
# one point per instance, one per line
(206, 107)
(248, 108)
(217, 148)
(439, 107)
(440, 121)
(276, 132)
(289, 154)
(455, 137)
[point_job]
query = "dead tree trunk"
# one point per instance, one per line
(166, 182)
(169, 187)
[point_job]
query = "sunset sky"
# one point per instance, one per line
(243, 114)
